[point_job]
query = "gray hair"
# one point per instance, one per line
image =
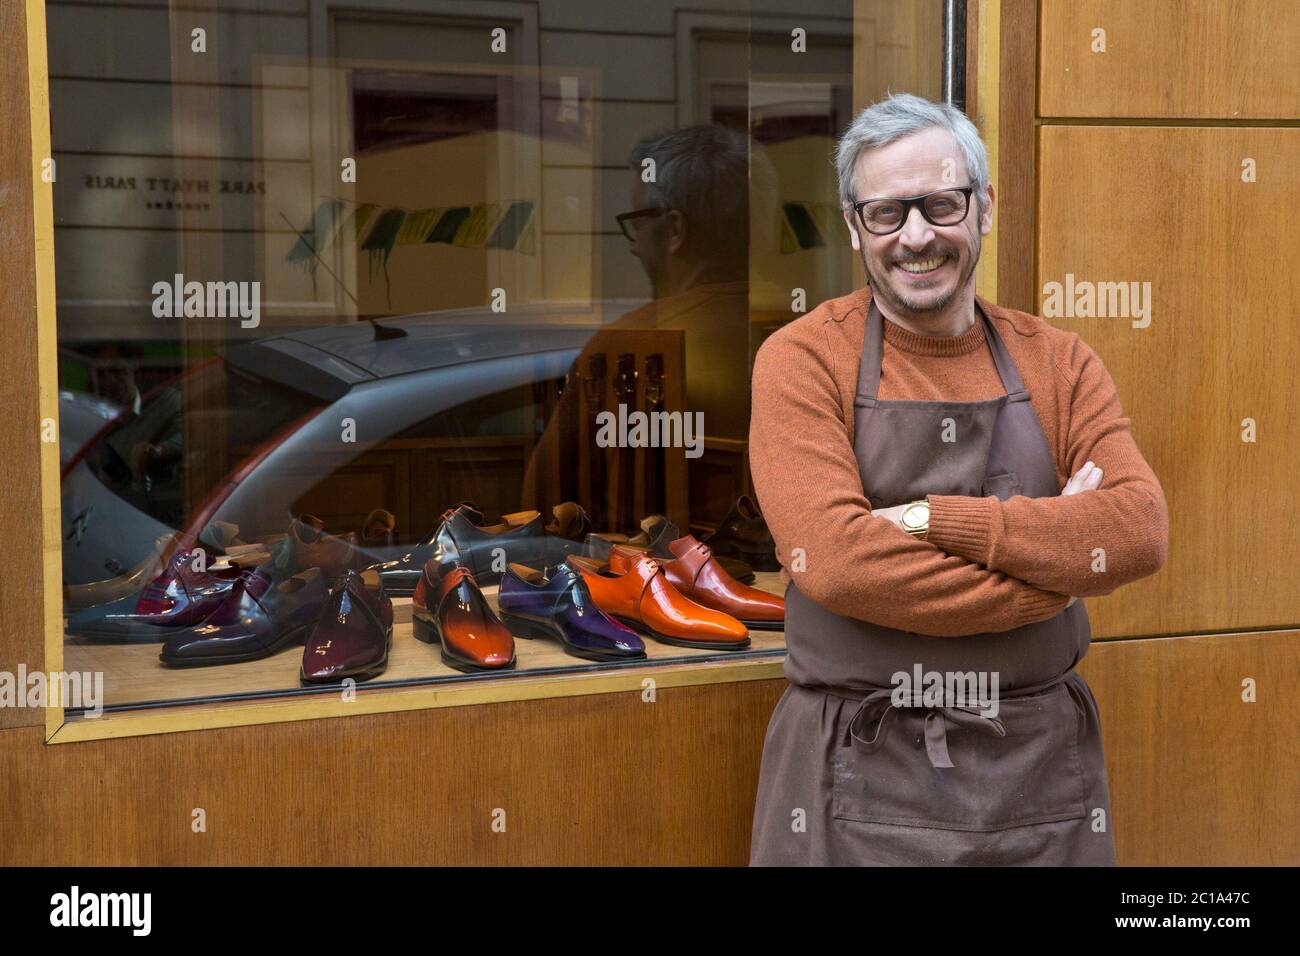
(703, 171)
(900, 115)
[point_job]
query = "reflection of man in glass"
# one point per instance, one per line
(689, 225)
(148, 437)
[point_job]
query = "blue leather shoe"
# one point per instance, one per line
(534, 605)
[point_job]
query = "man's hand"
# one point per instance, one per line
(1087, 478)
(894, 514)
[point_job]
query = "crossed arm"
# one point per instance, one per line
(1100, 533)
(861, 564)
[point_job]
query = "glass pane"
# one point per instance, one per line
(328, 271)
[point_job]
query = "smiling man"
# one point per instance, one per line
(943, 478)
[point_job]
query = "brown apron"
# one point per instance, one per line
(848, 778)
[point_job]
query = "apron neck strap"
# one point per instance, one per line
(873, 352)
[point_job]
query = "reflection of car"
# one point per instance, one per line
(268, 422)
(82, 417)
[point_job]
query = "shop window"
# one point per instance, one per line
(382, 290)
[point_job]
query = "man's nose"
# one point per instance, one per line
(916, 233)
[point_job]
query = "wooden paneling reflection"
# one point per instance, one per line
(1167, 206)
(1170, 58)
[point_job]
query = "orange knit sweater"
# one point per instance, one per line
(987, 565)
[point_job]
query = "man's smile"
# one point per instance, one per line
(922, 267)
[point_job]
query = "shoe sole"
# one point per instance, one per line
(681, 641)
(533, 630)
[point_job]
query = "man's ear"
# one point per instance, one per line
(852, 225)
(676, 230)
(986, 220)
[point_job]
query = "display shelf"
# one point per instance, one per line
(143, 696)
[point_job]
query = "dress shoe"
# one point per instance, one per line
(696, 573)
(569, 520)
(464, 538)
(353, 634)
(535, 605)
(308, 546)
(633, 589)
(379, 530)
(743, 534)
(657, 532)
(256, 620)
(449, 609)
(191, 586)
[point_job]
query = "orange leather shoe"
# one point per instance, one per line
(449, 609)
(633, 588)
(697, 574)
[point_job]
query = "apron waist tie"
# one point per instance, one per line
(878, 707)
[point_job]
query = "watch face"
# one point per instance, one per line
(916, 516)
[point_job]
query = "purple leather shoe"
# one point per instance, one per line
(354, 633)
(533, 605)
(257, 619)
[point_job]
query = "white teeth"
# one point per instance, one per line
(925, 265)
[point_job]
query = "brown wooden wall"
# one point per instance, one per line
(1141, 151)
(1197, 776)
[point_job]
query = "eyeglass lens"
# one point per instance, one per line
(945, 208)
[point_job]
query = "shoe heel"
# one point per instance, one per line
(423, 630)
(522, 627)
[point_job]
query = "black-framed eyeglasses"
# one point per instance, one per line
(943, 207)
(625, 219)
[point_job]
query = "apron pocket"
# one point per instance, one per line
(1003, 487)
(1032, 775)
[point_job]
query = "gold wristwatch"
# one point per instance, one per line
(916, 518)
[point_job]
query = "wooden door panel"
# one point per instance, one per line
(1167, 205)
(1198, 775)
(1170, 58)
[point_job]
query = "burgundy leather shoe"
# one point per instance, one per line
(353, 636)
(183, 595)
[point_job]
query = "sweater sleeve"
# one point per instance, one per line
(838, 554)
(1085, 544)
